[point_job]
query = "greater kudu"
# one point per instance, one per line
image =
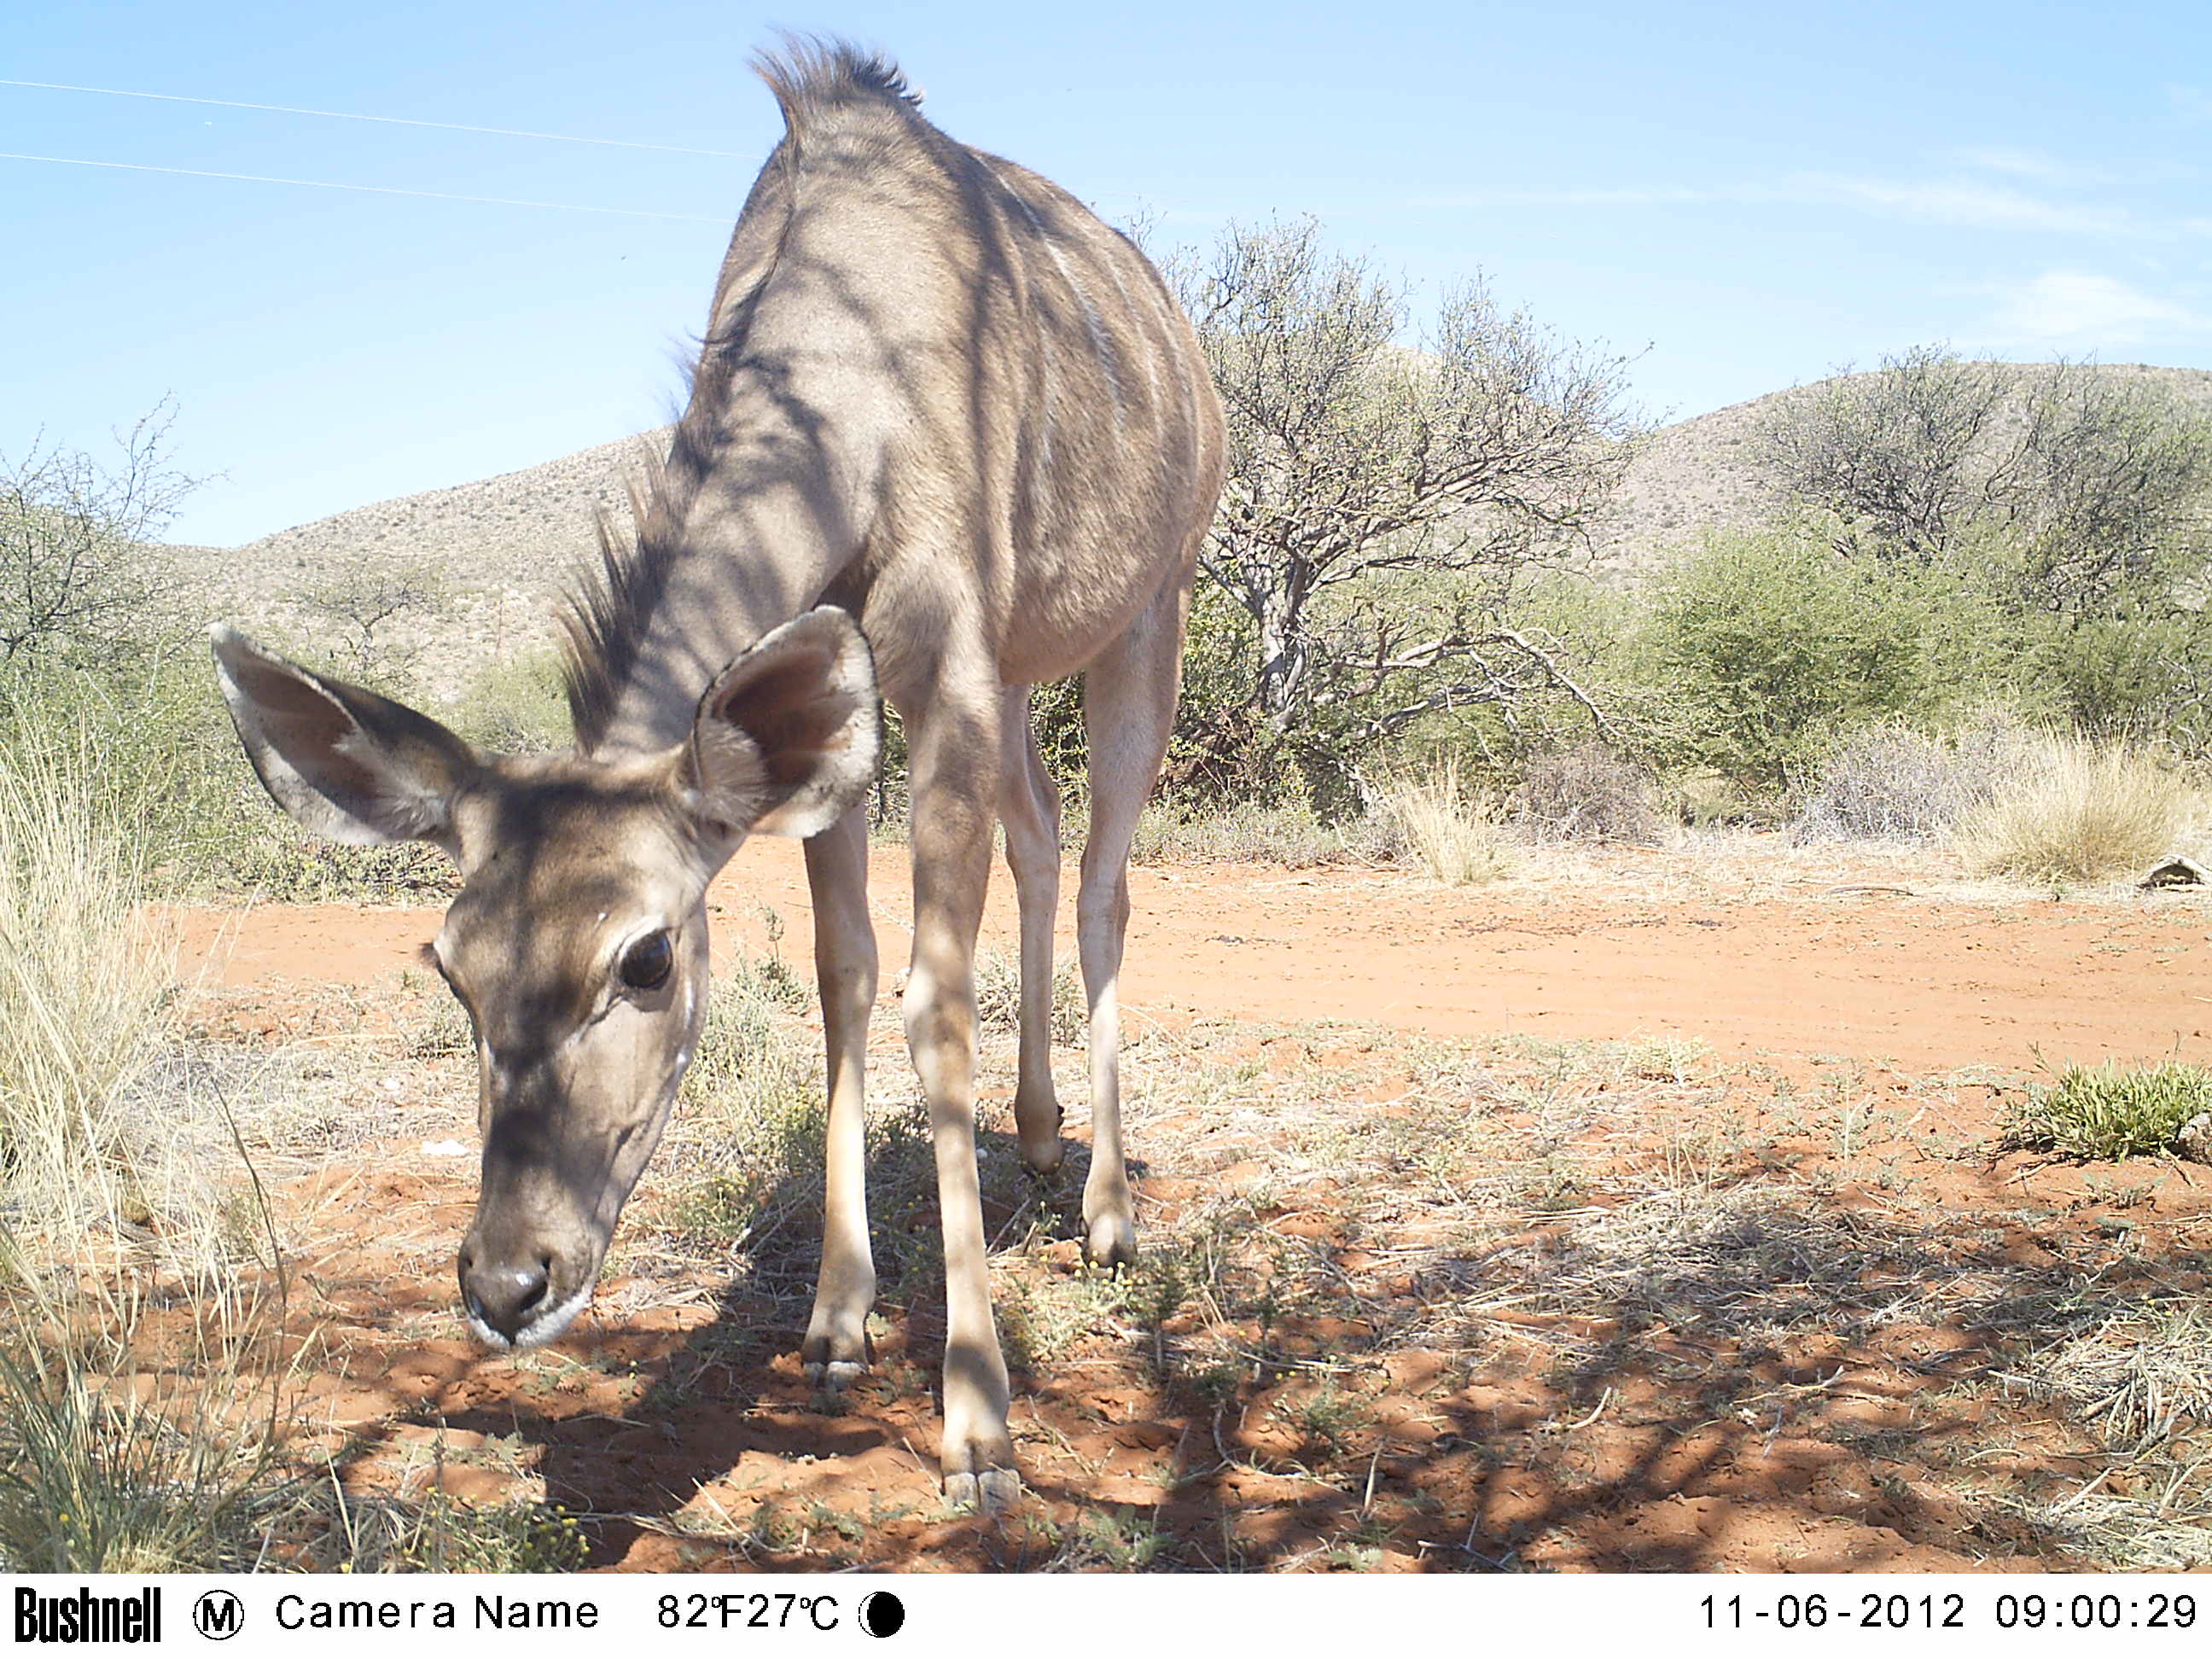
(939, 399)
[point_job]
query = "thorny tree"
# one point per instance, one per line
(77, 566)
(379, 613)
(1371, 487)
(2097, 478)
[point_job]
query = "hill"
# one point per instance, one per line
(1700, 474)
(501, 546)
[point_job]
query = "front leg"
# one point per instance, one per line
(837, 1346)
(955, 750)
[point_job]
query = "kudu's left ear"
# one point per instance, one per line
(787, 738)
(344, 761)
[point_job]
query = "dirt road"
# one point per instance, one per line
(1922, 983)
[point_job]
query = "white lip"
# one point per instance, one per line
(540, 1330)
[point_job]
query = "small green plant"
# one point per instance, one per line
(2107, 1112)
(1117, 1540)
(94, 1478)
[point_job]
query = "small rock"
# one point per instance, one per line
(2193, 1139)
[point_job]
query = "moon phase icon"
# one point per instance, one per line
(882, 1613)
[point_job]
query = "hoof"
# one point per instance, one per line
(833, 1375)
(1111, 1243)
(994, 1492)
(836, 1353)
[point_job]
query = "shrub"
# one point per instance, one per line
(2109, 1113)
(2142, 676)
(1769, 643)
(517, 706)
(1588, 792)
(2078, 812)
(1247, 832)
(1891, 782)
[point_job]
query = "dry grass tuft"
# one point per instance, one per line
(998, 996)
(82, 997)
(2078, 812)
(1247, 833)
(1753, 1260)
(2139, 1376)
(1453, 835)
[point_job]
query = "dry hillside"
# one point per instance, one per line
(502, 544)
(1700, 474)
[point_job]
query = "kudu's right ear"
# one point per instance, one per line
(345, 763)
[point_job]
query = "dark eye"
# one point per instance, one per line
(646, 963)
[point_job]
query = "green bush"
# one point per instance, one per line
(163, 759)
(1769, 643)
(2142, 674)
(516, 706)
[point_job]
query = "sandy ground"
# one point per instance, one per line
(1862, 966)
(1752, 1312)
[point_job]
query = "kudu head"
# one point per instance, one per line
(578, 942)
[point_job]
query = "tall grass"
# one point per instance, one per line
(83, 992)
(1452, 834)
(112, 1462)
(108, 1461)
(2077, 811)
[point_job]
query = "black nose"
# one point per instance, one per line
(504, 1295)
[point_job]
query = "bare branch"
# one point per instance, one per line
(1355, 459)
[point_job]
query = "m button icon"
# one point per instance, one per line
(218, 1615)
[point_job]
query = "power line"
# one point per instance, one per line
(373, 190)
(391, 120)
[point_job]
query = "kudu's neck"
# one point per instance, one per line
(753, 517)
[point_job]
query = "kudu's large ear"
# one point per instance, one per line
(345, 763)
(787, 738)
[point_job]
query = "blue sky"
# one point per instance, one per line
(1746, 195)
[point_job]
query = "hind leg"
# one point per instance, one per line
(1029, 807)
(1128, 710)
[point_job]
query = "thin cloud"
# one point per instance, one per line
(2080, 308)
(1971, 204)
(1961, 202)
(2030, 164)
(2191, 105)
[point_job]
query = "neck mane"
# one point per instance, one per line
(716, 555)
